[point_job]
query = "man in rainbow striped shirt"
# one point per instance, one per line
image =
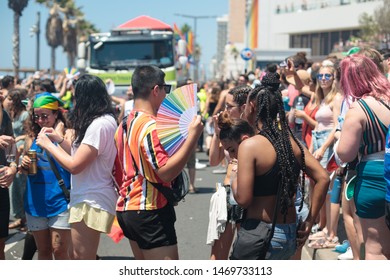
(144, 214)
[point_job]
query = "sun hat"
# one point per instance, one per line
(302, 74)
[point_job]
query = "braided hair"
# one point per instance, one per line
(240, 94)
(270, 112)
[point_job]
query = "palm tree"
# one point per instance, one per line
(71, 17)
(17, 6)
(54, 34)
(76, 29)
(54, 31)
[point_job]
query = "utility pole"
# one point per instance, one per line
(36, 29)
(38, 35)
(196, 58)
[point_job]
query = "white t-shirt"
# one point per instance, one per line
(94, 185)
(128, 107)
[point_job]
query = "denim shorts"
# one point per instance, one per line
(61, 221)
(319, 139)
(283, 244)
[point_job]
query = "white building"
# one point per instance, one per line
(320, 25)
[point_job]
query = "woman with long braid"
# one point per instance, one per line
(234, 108)
(277, 164)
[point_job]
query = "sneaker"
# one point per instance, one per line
(219, 171)
(199, 165)
(315, 228)
(342, 248)
(346, 256)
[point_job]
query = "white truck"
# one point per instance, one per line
(141, 41)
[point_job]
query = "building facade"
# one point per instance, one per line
(319, 27)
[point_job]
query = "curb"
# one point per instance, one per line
(318, 254)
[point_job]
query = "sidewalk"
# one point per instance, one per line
(325, 254)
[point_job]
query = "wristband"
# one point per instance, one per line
(59, 143)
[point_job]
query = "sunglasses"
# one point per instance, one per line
(167, 88)
(43, 117)
(327, 76)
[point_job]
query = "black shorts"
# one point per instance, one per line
(4, 212)
(149, 228)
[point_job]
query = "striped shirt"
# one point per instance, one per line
(140, 146)
(374, 135)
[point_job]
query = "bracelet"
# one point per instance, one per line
(59, 143)
(13, 164)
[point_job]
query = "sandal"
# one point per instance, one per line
(16, 224)
(324, 243)
(318, 235)
(194, 190)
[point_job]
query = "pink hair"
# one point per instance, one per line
(361, 77)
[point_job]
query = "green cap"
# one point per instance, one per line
(352, 51)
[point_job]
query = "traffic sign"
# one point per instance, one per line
(246, 54)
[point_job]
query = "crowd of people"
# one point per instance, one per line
(323, 132)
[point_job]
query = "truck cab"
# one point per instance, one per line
(115, 54)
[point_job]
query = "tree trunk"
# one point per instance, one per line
(15, 42)
(53, 61)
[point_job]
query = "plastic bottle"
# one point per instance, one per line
(299, 106)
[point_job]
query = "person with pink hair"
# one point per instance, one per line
(364, 132)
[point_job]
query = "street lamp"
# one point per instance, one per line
(35, 29)
(195, 18)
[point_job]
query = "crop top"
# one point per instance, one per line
(267, 184)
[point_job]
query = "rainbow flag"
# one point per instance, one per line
(190, 42)
(176, 30)
(252, 25)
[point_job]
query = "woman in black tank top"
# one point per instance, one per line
(274, 150)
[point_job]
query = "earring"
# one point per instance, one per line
(278, 122)
(241, 115)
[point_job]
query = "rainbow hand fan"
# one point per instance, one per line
(175, 115)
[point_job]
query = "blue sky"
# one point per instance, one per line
(106, 14)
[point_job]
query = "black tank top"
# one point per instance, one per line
(267, 184)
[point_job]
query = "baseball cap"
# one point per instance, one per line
(352, 51)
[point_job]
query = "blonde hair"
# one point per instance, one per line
(319, 95)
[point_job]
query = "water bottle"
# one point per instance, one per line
(299, 106)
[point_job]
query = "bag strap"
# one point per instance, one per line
(165, 191)
(384, 103)
(58, 176)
